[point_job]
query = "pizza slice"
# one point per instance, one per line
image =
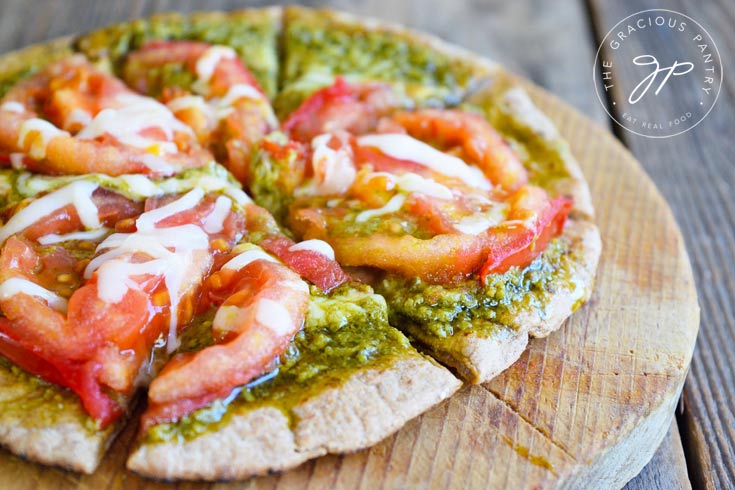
(241, 398)
(99, 273)
(468, 242)
(252, 33)
(319, 45)
(209, 89)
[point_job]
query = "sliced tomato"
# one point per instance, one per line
(354, 108)
(157, 413)
(366, 155)
(265, 307)
(530, 243)
(111, 208)
(323, 272)
(476, 137)
(80, 378)
(445, 257)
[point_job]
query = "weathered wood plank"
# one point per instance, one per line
(667, 469)
(696, 174)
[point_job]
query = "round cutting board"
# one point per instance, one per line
(584, 408)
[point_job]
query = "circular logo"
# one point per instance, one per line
(657, 73)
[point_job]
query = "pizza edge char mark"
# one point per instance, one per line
(221, 113)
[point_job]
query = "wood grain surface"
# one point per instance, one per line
(696, 174)
(552, 44)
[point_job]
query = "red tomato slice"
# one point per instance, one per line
(80, 378)
(530, 244)
(264, 308)
(324, 272)
(353, 108)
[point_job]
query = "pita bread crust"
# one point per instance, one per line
(65, 442)
(483, 66)
(369, 406)
(478, 357)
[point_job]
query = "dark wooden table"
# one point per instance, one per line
(554, 44)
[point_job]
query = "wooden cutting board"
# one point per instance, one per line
(584, 408)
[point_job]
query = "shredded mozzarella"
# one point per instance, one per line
(334, 170)
(241, 260)
(16, 285)
(53, 238)
(78, 116)
(404, 147)
(208, 61)
(78, 194)
(46, 131)
(412, 182)
(13, 106)
(214, 223)
(274, 315)
(395, 203)
(147, 221)
(134, 115)
(314, 245)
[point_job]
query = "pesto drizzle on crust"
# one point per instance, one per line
(344, 332)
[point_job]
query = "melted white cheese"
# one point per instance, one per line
(208, 61)
(314, 245)
(46, 131)
(334, 170)
(404, 147)
(78, 194)
(17, 161)
(188, 102)
(251, 255)
(412, 182)
(141, 184)
(240, 91)
(172, 252)
(275, 316)
(215, 108)
(78, 117)
(53, 238)
(16, 285)
(395, 203)
(295, 285)
(214, 223)
(13, 106)
(133, 115)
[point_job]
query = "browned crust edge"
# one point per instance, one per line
(369, 406)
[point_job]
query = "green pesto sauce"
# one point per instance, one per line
(252, 34)
(169, 75)
(344, 331)
(443, 310)
(543, 159)
(28, 401)
(8, 80)
(274, 179)
(319, 47)
(212, 177)
(274, 184)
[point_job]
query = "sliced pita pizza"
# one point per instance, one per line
(319, 45)
(431, 204)
(465, 234)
